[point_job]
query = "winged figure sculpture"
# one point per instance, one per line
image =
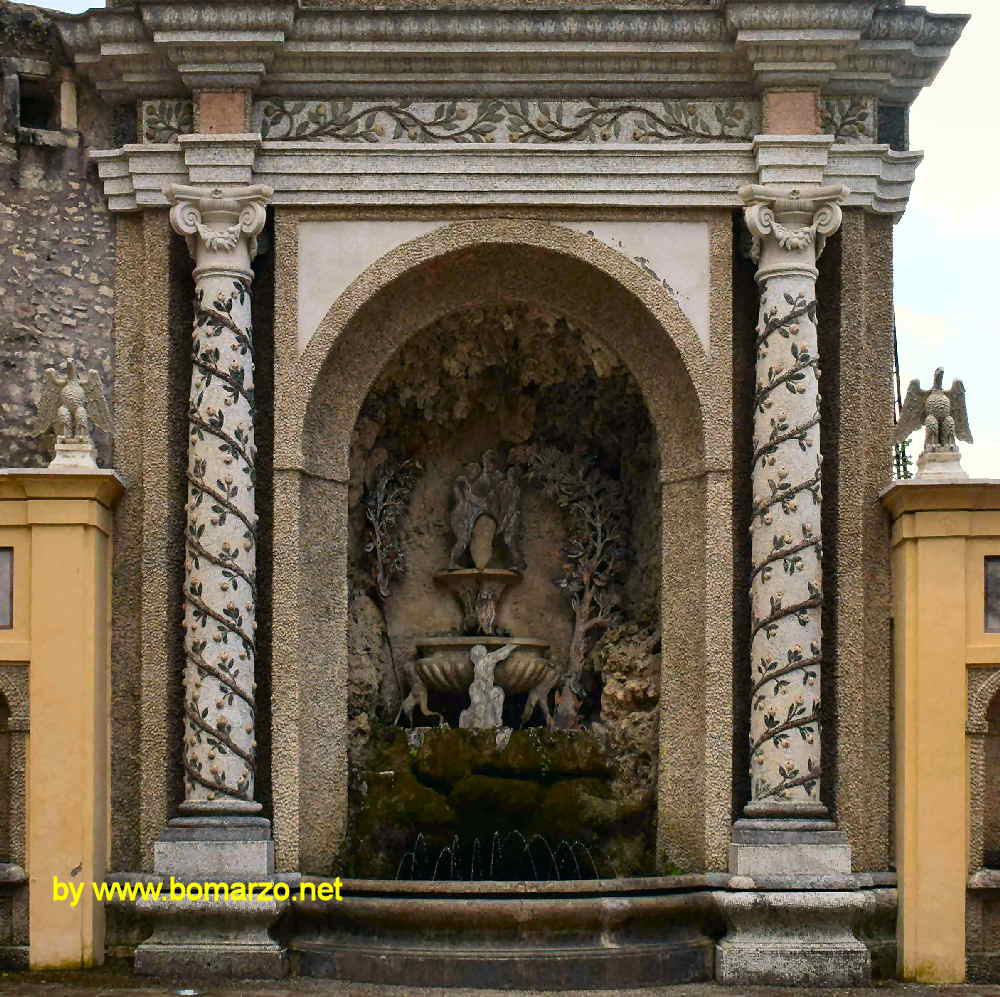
(942, 414)
(71, 403)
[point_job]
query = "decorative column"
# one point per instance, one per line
(219, 835)
(786, 594)
(220, 590)
(793, 904)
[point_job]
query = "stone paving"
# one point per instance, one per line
(106, 983)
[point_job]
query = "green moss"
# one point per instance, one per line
(448, 755)
(487, 796)
(548, 754)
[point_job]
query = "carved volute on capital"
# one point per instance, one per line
(790, 228)
(221, 227)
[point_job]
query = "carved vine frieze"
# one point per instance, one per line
(851, 120)
(494, 120)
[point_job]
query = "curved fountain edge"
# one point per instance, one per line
(566, 935)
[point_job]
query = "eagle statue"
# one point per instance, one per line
(70, 403)
(941, 413)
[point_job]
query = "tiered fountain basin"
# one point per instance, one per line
(570, 935)
(444, 663)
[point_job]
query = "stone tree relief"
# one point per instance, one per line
(385, 504)
(786, 577)
(943, 417)
(495, 120)
(594, 557)
(220, 592)
(70, 404)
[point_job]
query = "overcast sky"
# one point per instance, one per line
(946, 255)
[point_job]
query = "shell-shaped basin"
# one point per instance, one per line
(445, 664)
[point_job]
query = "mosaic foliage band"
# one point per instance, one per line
(220, 584)
(221, 590)
(786, 595)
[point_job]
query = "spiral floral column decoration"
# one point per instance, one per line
(789, 230)
(220, 594)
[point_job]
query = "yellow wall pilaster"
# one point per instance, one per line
(59, 524)
(940, 534)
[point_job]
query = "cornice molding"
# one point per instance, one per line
(479, 174)
(664, 49)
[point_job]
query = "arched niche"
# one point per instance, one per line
(688, 394)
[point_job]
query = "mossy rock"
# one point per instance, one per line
(548, 754)
(449, 755)
(578, 808)
(478, 796)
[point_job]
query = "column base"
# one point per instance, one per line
(213, 936)
(793, 939)
(215, 848)
(788, 847)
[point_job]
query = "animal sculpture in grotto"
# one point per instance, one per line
(486, 490)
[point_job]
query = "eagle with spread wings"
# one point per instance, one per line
(941, 413)
(70, 403)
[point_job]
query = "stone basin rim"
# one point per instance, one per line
(488, 640)
(517, 889)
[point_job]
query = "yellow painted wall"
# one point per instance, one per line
(940, 535)
(59, 525)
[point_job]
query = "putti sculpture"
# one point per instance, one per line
(70, 403)
(945, 420)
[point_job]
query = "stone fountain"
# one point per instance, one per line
(485, 561)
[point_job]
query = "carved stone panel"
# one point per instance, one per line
(495, 120)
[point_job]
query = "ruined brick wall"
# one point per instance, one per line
(57, 245)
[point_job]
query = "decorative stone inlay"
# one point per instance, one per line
(786, 595)
(494, 120)
(163, 120)
(849, 119)
(220, 566)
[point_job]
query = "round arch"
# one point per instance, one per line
(688, 394)
(464, 265)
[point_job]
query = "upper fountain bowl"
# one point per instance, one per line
(444, 663)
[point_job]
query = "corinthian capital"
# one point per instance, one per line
(790, 228)
(221, 227)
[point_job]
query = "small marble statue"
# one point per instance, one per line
(943, 416)
(68, 406)
(485, 710)
(486, 490)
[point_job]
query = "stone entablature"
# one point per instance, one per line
(633, 175)
(283, 49)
